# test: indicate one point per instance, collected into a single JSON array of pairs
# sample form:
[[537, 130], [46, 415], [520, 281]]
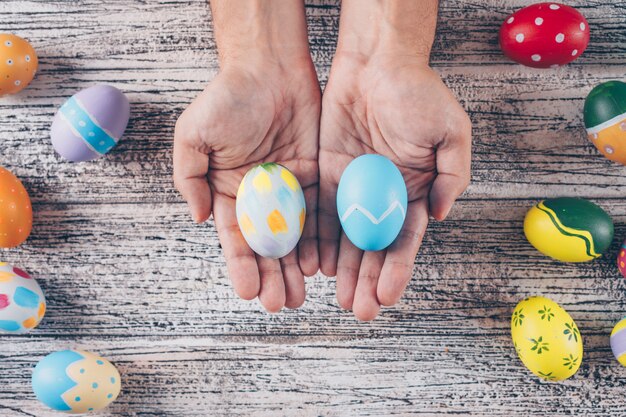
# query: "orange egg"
[[16, 212], [18, 63]]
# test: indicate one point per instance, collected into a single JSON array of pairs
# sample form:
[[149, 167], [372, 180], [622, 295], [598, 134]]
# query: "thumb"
[[191, 166], [454, 158]]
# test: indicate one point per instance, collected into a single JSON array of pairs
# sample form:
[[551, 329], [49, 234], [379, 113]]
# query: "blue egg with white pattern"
[[90, 123], [22, 303], [76, 381], [372, 202]]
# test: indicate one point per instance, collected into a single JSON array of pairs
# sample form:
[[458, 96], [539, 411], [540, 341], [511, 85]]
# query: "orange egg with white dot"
[[18, 63], [16, 213]]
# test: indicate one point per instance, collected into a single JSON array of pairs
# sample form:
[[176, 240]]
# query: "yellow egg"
[[546, 338]]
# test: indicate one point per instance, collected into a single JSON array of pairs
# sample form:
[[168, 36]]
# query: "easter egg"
[[544, 35], [618, 341], [569, 229], [371, 202], [605, 119], [18, 63], [270, 210], [90, 123], [75, 381], [16, 212], [22, 303], [621, 259], [546, 339]]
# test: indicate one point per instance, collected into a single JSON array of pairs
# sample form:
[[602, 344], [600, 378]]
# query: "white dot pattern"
[[510, 20], [536, 57], [519, 37], [554, 7], [574, 52], [582, 26], [539, 21], [559, 38]]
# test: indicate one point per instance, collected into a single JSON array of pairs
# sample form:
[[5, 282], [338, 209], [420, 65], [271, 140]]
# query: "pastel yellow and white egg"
[[271, 210]]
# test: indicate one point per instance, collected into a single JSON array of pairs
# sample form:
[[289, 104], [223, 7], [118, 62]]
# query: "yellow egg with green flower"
[[546, 338]]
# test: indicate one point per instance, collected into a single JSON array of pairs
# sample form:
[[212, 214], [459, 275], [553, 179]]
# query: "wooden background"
[[128, 275]]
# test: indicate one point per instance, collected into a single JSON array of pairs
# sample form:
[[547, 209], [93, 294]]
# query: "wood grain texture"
[[128, 275]]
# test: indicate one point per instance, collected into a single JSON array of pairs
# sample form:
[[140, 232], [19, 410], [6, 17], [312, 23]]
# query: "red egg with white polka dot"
[[18, 63], [621, 259], [544, 35]]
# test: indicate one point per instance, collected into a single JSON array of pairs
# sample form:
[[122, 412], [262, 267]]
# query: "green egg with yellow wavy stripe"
[[569, 229]]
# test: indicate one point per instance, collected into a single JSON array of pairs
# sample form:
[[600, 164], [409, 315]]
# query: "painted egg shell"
[[371, 202], [569, 229], [621, 259], [543, 35], [546, 339], [18, 63], [605, 119], [22, 303], [90, 123], [75, 381], [271, 210], [16, 212], [618, 341]]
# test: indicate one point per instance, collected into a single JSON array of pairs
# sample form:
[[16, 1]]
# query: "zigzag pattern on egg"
[[395, 205]]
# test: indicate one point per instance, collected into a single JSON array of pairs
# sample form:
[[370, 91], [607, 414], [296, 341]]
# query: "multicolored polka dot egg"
[[618, 341], [621, 259], [75, 381], [90, 123], [18, 64], [22, 303], [270, 210]]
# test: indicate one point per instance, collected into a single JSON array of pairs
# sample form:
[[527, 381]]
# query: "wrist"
[[373, 28], [260, 30]]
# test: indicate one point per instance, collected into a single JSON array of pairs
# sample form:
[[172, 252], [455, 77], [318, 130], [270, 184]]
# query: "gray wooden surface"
[[128, 275]]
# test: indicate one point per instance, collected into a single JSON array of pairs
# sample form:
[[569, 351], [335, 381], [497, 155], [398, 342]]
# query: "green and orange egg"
[[605, 119]]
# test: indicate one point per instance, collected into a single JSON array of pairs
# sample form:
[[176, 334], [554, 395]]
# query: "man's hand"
[[382, 97], [264, 106]]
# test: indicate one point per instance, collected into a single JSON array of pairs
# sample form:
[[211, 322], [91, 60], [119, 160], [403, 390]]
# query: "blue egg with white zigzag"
[[372, 202]]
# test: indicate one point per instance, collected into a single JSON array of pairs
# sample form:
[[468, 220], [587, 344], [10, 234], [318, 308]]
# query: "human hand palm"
[[398, 108], [242, 119]]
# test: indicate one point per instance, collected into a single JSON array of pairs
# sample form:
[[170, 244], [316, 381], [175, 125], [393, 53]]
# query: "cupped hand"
[[251, 113], [396, 106]]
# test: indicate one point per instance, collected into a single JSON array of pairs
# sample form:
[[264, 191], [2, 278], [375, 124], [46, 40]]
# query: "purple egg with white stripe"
[[90, 123]]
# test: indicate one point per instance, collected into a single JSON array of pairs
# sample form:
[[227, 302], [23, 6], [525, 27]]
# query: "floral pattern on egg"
[[271, 210]]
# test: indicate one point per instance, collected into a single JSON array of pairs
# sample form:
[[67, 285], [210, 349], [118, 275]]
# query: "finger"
[[191, 165], [328, 226], [453, 170], [308, 255], [240, 259], [348, 265], [272, 293], [398, 267], [365, 305], [293, 279]]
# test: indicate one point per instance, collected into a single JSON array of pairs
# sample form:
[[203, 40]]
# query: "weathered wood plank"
[[148, 270]]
